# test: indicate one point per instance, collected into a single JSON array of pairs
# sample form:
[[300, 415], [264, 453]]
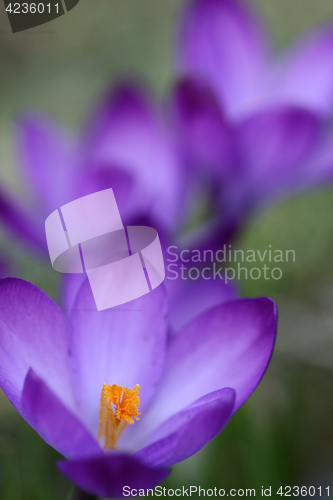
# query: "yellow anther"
[[119, 407]]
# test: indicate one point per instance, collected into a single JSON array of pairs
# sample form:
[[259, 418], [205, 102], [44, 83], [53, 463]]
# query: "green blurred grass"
[[27, 464], [303, 223]]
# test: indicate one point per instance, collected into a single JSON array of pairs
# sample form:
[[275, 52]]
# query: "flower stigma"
[[119, 407]]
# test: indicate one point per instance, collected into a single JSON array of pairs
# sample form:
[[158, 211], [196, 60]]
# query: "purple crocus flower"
[[225, 41], [124, 146], [250, 126], [76, 382]]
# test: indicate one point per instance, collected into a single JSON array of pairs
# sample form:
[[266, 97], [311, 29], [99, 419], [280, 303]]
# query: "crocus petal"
[[69, 287], [47, 159], [19, 221], [94, 179], [132, 206], [54, 422], [305, 76], [126, 131], [205, 135], [272, 146], [107, 476], [189, 430], [221, 41], [227, 346], [124, 345], [188, 299], [33, 334]]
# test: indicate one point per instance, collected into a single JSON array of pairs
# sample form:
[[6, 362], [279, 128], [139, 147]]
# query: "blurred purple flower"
[[224, 41], [124, 145], [249, 126], [53, 372]]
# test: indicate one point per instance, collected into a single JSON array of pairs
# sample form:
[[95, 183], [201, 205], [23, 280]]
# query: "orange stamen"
[[119, 407]]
